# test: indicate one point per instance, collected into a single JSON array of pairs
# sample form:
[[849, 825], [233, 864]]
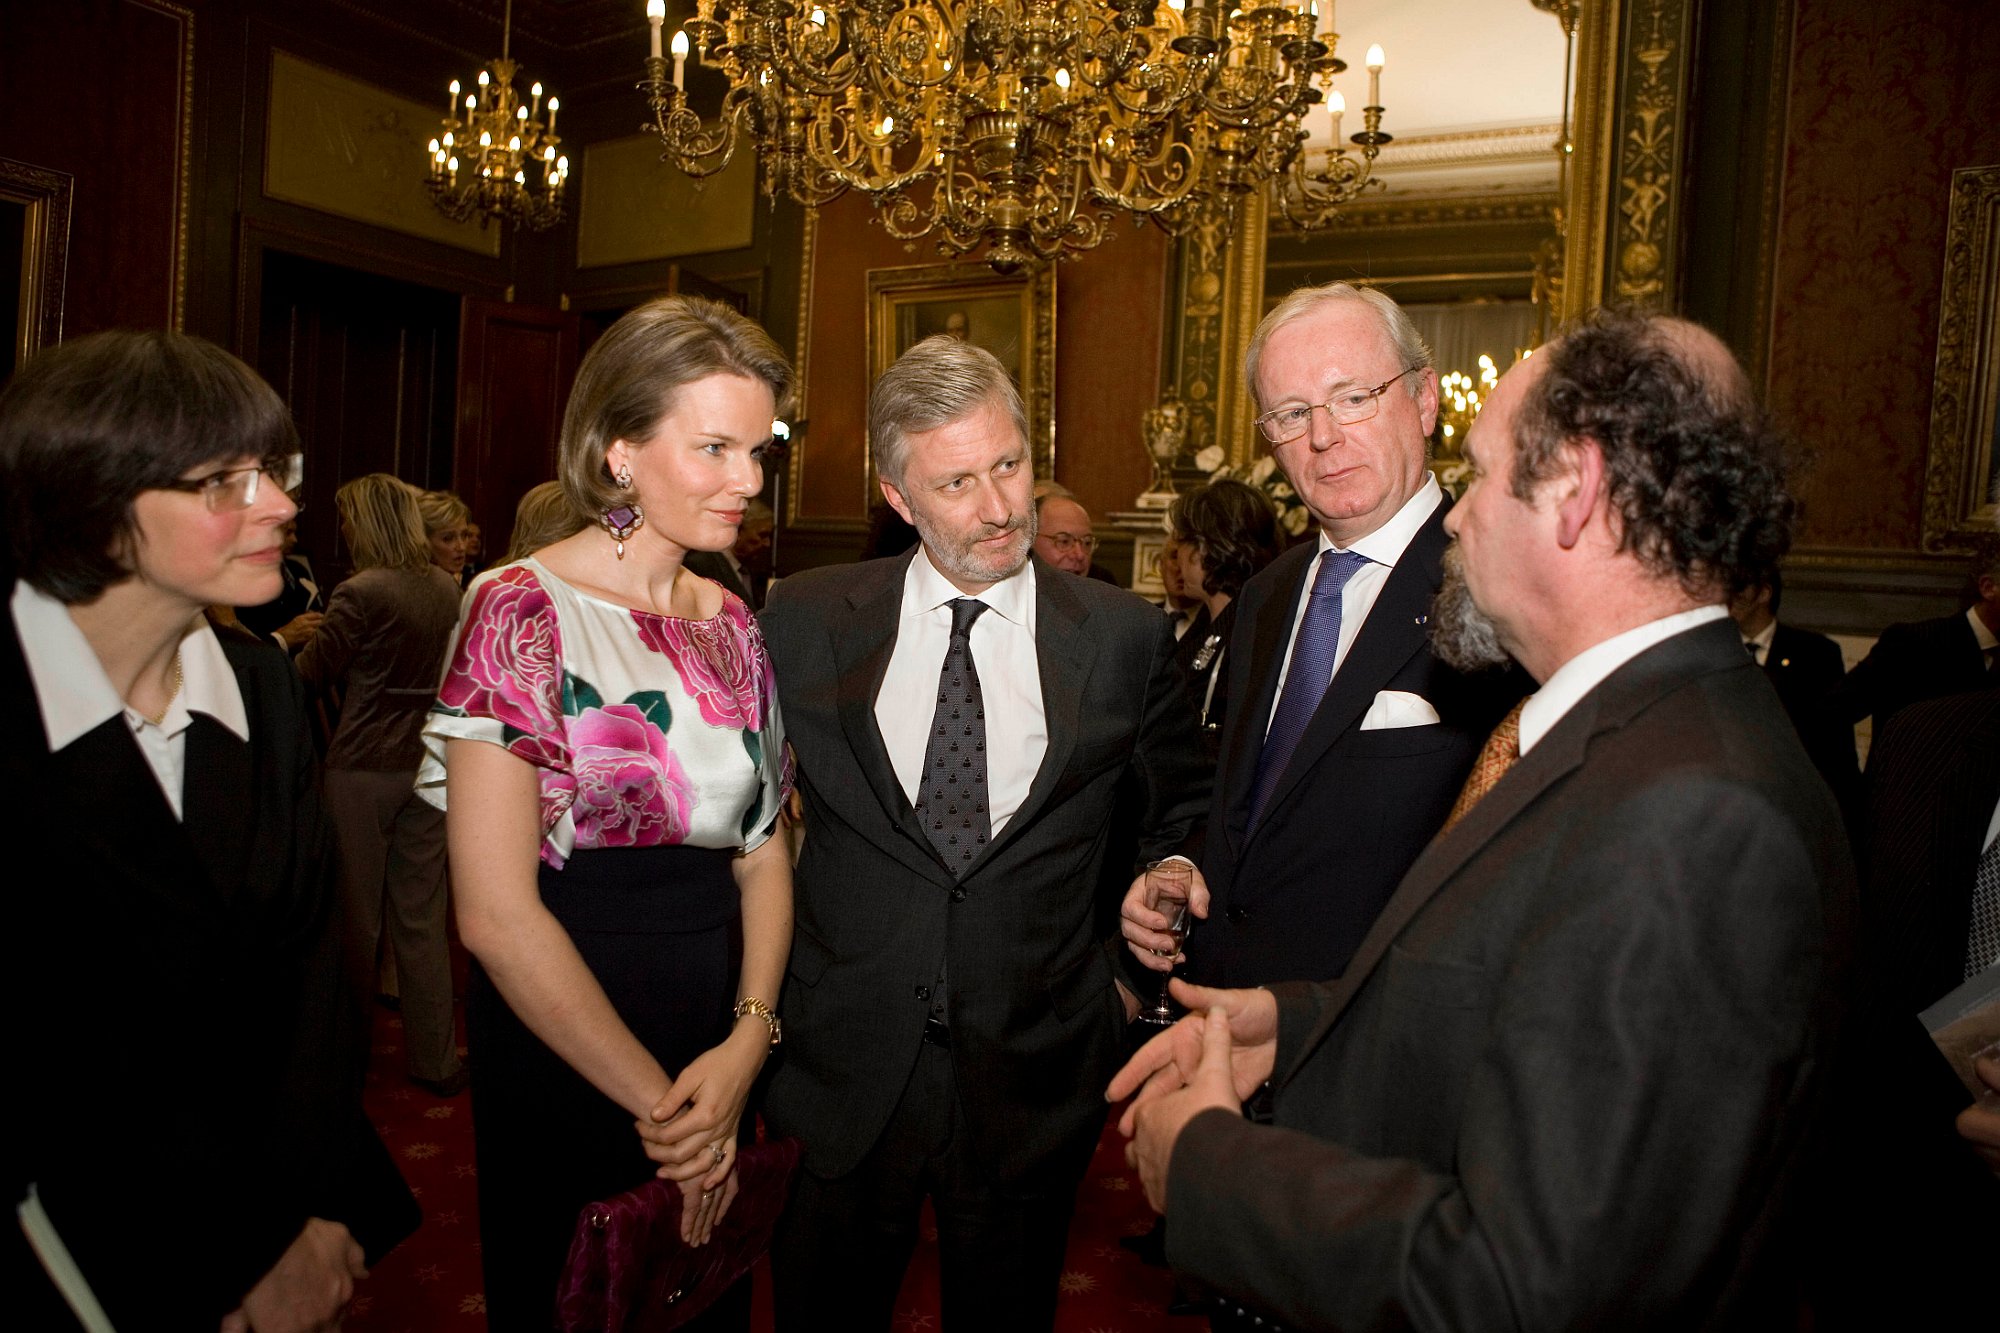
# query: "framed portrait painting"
[[1962, 473], [1012, 316]]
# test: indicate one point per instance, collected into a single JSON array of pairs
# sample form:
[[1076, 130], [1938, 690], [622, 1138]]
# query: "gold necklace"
[[172, 694]]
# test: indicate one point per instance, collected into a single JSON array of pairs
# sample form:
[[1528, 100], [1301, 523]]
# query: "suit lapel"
[[1249, 718], [863, 643], [1621, 695], [1066, 655], [1397, 628]]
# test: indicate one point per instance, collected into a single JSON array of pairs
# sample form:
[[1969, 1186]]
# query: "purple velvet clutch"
[[628, 1270]]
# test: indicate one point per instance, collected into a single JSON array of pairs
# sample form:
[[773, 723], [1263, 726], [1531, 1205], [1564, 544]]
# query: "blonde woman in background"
[[445, 520], [383, 641], [544, 517]]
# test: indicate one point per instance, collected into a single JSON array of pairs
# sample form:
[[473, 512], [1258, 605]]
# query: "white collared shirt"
[[76, 697], [1383, 548], [1584, 672], [1759, 643], [1010, 682], [1981, 635]]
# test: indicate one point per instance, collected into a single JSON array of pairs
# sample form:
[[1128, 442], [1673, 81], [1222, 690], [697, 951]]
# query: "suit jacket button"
[[1237, 915], [958, 895], [924, 993]]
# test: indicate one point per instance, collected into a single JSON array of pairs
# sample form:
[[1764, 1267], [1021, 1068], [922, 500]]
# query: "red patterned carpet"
[[431, 1284]]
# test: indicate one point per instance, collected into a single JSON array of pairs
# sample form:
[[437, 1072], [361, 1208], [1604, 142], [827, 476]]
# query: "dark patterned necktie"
[[1311, 671], [1982, 941], [951, 800]]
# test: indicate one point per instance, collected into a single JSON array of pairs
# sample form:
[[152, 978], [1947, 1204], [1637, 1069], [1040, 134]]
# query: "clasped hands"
[[1216, 1056], [691, 1130]]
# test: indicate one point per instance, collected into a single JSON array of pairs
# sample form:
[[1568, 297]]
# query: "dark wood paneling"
[[98, 89], [515, 365], [367, 365]]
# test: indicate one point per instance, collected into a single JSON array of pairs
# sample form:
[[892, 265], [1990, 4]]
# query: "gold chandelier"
[[494, 141], [1008, 123]]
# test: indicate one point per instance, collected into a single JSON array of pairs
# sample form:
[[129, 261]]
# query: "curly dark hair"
[[1234, 528], [1694, 468]]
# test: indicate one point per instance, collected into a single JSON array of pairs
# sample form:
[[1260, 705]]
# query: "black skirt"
[[660, 929]]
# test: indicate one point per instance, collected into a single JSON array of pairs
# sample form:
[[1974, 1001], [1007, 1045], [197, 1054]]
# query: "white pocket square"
[[1398, 708]]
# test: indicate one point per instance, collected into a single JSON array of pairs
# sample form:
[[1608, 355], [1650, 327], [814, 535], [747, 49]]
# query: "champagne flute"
[[1168, 884]]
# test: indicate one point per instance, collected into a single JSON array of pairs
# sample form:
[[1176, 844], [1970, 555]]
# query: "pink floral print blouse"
[[645, 729]]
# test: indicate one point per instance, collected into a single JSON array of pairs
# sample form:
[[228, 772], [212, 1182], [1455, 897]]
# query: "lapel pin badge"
[[1423, 620]]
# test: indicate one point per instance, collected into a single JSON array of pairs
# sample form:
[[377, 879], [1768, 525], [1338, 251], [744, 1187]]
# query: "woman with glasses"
[[383, 643], [1223, 533], [607, 747], [189, 1148]]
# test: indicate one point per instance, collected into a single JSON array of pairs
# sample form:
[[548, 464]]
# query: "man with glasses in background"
[[1346, 740], [1063, 535]]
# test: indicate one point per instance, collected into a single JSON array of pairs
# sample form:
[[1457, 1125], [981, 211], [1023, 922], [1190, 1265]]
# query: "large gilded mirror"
[[1483, 226]]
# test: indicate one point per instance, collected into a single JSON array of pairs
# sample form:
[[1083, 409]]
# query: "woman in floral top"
[[608, 738]]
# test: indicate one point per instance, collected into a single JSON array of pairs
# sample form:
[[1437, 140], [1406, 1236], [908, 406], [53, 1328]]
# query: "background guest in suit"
[[1904, 1193], [1187, 611], [1927, 659], [542, 518], [1805, 668], [1345, 738], [951, 1003], [171, 778], [445, 517], [1224, 533], [1567, 1080], [383, 643], [614, 766], [290, 618]]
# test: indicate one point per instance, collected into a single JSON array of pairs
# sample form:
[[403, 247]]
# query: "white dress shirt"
[[1759, 643], [1982, 636], [1010, 683], [76, 697], [1584, 672], [1383, 548]]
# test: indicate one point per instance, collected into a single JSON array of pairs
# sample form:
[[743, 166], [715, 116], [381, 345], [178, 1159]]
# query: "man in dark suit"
[[1928, 659], [1346, 739], [1568, 1079], [1804, 668], [1910, 1195], [963, 718]]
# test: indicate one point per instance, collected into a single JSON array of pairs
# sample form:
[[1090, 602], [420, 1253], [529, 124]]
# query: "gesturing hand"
[[1168, 1061], [307, 1288], [1157, 1121]]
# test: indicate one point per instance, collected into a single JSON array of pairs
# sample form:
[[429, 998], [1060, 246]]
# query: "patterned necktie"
[[951, 800], [1982, 941], [1498, 755], [1308, 676]]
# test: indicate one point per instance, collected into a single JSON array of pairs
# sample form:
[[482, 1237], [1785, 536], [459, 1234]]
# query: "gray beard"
[[954, 558], [1461, 635]]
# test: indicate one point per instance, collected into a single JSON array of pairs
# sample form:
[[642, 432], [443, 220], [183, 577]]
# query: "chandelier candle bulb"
[[680, 61], [1336, 105], [1375, 62], [656, 15], [555, 105], [1324, 12], [535, 93], [451, 102]]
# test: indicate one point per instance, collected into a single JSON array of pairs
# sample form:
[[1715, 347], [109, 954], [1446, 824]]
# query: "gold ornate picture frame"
[[1962, 468], [44, 196], [1012, 316]]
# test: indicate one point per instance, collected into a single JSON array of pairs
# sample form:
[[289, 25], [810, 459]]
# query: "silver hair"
[[1411, 349], [936, 382]]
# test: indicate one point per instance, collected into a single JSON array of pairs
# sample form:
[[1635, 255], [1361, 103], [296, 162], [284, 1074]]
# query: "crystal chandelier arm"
[[695, 148]]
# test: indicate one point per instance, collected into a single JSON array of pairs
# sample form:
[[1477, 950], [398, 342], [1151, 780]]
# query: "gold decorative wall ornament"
[[1962, 472], [1017, 125], [504, 150]]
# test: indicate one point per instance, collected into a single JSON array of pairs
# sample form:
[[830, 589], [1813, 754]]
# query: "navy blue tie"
[[1308, 676]]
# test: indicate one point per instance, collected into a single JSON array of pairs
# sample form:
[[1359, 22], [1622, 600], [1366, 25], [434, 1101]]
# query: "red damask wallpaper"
[[1885, 101]]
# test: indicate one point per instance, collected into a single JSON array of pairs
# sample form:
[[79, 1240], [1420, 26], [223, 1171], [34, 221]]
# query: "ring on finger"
[[715, 1149]]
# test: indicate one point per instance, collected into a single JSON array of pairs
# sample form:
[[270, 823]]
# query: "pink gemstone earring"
[[621, 521]]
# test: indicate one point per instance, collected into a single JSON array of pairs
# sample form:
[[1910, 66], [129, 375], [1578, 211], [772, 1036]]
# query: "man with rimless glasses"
[[1346, 740]]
